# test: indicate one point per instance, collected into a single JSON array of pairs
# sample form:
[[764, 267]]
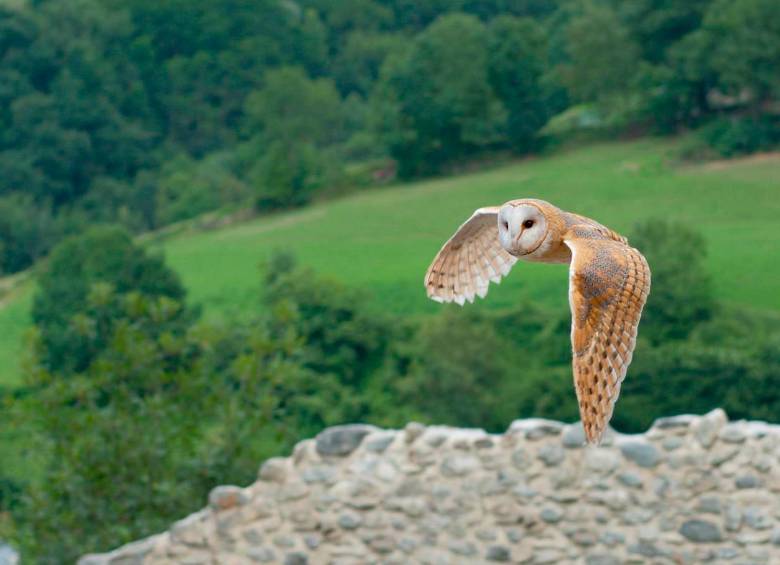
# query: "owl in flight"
[[608, 285]]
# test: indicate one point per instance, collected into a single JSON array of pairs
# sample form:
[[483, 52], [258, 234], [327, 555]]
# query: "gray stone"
[[319, 474], [748, 481], [733, 518], [536, 428], [630, 479], [551, 514], [602, 559], [227, 496], [459, 465], [547, 556], [436, 440], [486, 534], [484, 443], [672, 443], [732, 433], [706, 428], [573, 436], [722, 454], [601, 460], [551, 454], [284, 541], [583, 537], [611, 539], [408, 545], [378, 443], [645, 549], [775, 539], [757, 518], [462, 547], [273, 470], [710, 504], [412, 431], [342, 440], [726, 553], [498, 553], [701, 531], [382, 544], [674, 422], [296, 558], [642, 453], [520, 458], [261, 554], [350, 520]]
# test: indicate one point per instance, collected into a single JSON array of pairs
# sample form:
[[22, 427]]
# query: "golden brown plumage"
[[608, 285]]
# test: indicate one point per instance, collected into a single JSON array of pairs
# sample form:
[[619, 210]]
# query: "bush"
[[81, 294], [730, 137]]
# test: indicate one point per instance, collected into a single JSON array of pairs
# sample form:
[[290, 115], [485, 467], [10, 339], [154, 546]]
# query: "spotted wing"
[[469, 260], [608, 285]]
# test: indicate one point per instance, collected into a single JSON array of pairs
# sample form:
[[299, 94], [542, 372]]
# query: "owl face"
[[522, 228]]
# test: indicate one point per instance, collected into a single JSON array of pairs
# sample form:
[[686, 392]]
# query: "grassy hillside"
[[383, 240]]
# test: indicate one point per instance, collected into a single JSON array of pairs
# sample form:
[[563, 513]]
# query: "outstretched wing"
[[469, 260], [608, 285]]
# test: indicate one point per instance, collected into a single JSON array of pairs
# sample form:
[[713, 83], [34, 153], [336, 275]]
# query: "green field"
[[384, 239]]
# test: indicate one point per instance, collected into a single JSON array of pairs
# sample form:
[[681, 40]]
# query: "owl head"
[[523, 226]]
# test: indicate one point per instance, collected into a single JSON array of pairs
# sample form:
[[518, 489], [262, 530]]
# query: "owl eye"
[[528, 224], [505, 224]]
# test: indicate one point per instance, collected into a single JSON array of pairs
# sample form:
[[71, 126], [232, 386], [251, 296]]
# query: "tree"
[[602, 58], [681, 293], [435, 102], [82, 294], [745, 40], [292, 119], [516, 64]]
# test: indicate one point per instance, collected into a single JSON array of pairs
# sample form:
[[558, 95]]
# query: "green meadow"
[[382, 240]]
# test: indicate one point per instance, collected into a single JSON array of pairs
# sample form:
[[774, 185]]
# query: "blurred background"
[[215, 217]]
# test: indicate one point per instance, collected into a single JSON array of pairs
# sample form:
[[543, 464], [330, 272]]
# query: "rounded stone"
[[551, 454], [412, 431], [260, 554], [551, 514], [642, 453], [274, 470], [342, 440], [701, 531], [747, 481], [498, 553], [227, 496], [459, 465], [706, 428], [573, 436], [732, 433], [350, 521], [296, 558]]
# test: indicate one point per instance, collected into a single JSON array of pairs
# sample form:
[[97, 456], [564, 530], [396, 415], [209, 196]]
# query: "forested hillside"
[[144, 113]]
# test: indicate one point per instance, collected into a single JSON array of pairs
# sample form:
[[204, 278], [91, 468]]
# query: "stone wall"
[[690, 490]]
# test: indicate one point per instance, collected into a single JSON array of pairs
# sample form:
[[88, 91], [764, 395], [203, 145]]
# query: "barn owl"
[[608, 285]]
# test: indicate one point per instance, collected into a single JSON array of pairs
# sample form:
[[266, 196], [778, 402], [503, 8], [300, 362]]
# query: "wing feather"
[[467, 263], [609, 282]]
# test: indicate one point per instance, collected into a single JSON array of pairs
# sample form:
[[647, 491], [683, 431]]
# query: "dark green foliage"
[[293, 119], [146, 113], [342, 338], [516, 62], [740, 135], [681, 292], [83, 291], [601, 58], [436, 101]]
